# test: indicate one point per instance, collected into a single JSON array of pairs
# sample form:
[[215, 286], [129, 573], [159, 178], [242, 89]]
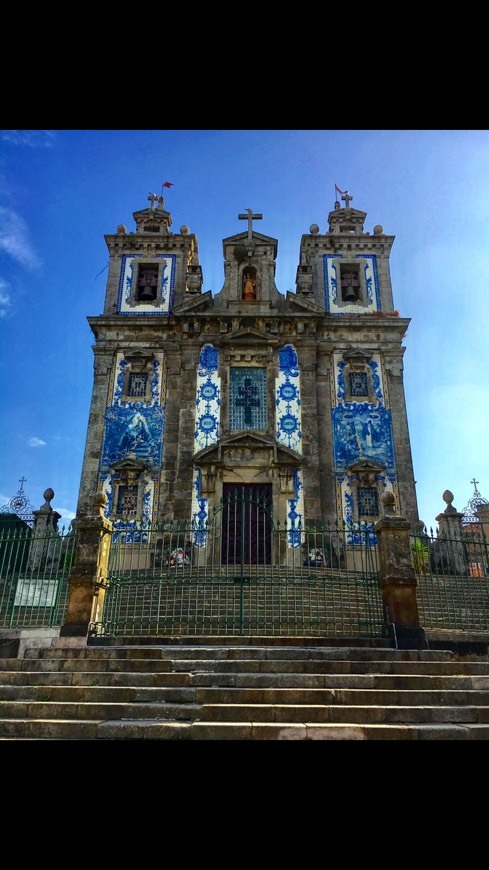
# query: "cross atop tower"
[[347, 198], [475, 482], [250, 217], [153, 198]]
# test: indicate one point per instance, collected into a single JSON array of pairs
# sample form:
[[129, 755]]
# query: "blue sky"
[[61, 191]]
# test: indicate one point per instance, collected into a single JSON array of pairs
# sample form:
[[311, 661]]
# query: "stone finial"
[[46, 517], [389, 502], [48, 496], [448, 498]]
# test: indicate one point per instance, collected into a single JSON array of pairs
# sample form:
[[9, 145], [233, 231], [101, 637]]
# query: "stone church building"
[[296, 396]]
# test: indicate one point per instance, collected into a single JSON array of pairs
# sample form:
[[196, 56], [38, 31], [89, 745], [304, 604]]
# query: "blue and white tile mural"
[[295, 512], [288, 400], [332, 289], [361, 430], [207, 399], [200, 511], [126, 291], [288, 429], [134, 430], [207, 429]]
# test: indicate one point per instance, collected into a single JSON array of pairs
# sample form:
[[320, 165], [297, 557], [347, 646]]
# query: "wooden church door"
[[246, 524]]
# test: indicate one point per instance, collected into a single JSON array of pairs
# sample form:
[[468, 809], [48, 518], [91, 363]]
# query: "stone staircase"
[[220, 691]]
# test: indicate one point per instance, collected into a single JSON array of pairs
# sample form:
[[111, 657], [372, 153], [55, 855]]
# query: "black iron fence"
[[241, 573], [34, 575], [452, 570]]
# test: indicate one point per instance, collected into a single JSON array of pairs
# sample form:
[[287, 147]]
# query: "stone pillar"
[[44, 548], [398, 579], [89, 573], [449, 551]]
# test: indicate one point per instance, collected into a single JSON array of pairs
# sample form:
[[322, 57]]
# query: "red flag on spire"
[[337, 188], [168, 184]]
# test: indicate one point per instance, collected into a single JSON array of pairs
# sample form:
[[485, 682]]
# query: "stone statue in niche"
[[249, 291]]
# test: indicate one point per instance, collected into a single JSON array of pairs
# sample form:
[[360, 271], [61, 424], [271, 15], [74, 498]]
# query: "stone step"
[[236, 678], [94, 665], [338, 713], [291, 666], [91, 678], [90, 710], [128, 702], [151, 729], [243, 692]]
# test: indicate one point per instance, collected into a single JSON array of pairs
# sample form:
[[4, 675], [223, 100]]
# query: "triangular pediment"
[[242, 237], [192, 303], [366, 471], [357, 355], [304, 303], [248, 443], [247, 336]]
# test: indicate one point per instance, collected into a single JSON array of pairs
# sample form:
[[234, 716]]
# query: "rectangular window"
[[358, 384], [127, 500], [248, 398], [368, 501], [137, 383]]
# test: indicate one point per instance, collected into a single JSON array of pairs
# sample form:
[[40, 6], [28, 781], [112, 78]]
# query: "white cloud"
[[36, 442], [14, 239], [31, 138], [66, 514]]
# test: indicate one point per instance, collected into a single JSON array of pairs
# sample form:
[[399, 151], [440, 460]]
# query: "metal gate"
[[241, 573]]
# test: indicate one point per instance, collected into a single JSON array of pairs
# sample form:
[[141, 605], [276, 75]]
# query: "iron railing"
[[245, 575], [239, 573], [34, 574], [452, 569]]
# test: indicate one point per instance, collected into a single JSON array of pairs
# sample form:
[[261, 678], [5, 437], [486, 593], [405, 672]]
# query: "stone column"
[[449, 550], [45, 542], [89, 573], [398, 579]]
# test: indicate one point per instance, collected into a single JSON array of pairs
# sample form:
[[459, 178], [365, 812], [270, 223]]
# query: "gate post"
[[398, 579], [89, 572]]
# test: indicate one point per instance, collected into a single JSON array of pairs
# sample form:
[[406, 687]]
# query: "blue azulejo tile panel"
[[332, 299], [200, 511], [207, 399], [156, 386], [148, 484], [374, 367], [133, 431], [362, 432], [295, 512], [288, 400], [127, 302]]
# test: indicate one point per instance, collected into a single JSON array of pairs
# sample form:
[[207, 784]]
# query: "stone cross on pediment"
[[250, 217]]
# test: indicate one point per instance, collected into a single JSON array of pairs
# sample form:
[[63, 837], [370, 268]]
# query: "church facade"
[[297, 397]]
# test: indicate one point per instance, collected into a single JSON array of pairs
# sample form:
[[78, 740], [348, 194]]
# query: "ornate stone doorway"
[[247, 524]]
